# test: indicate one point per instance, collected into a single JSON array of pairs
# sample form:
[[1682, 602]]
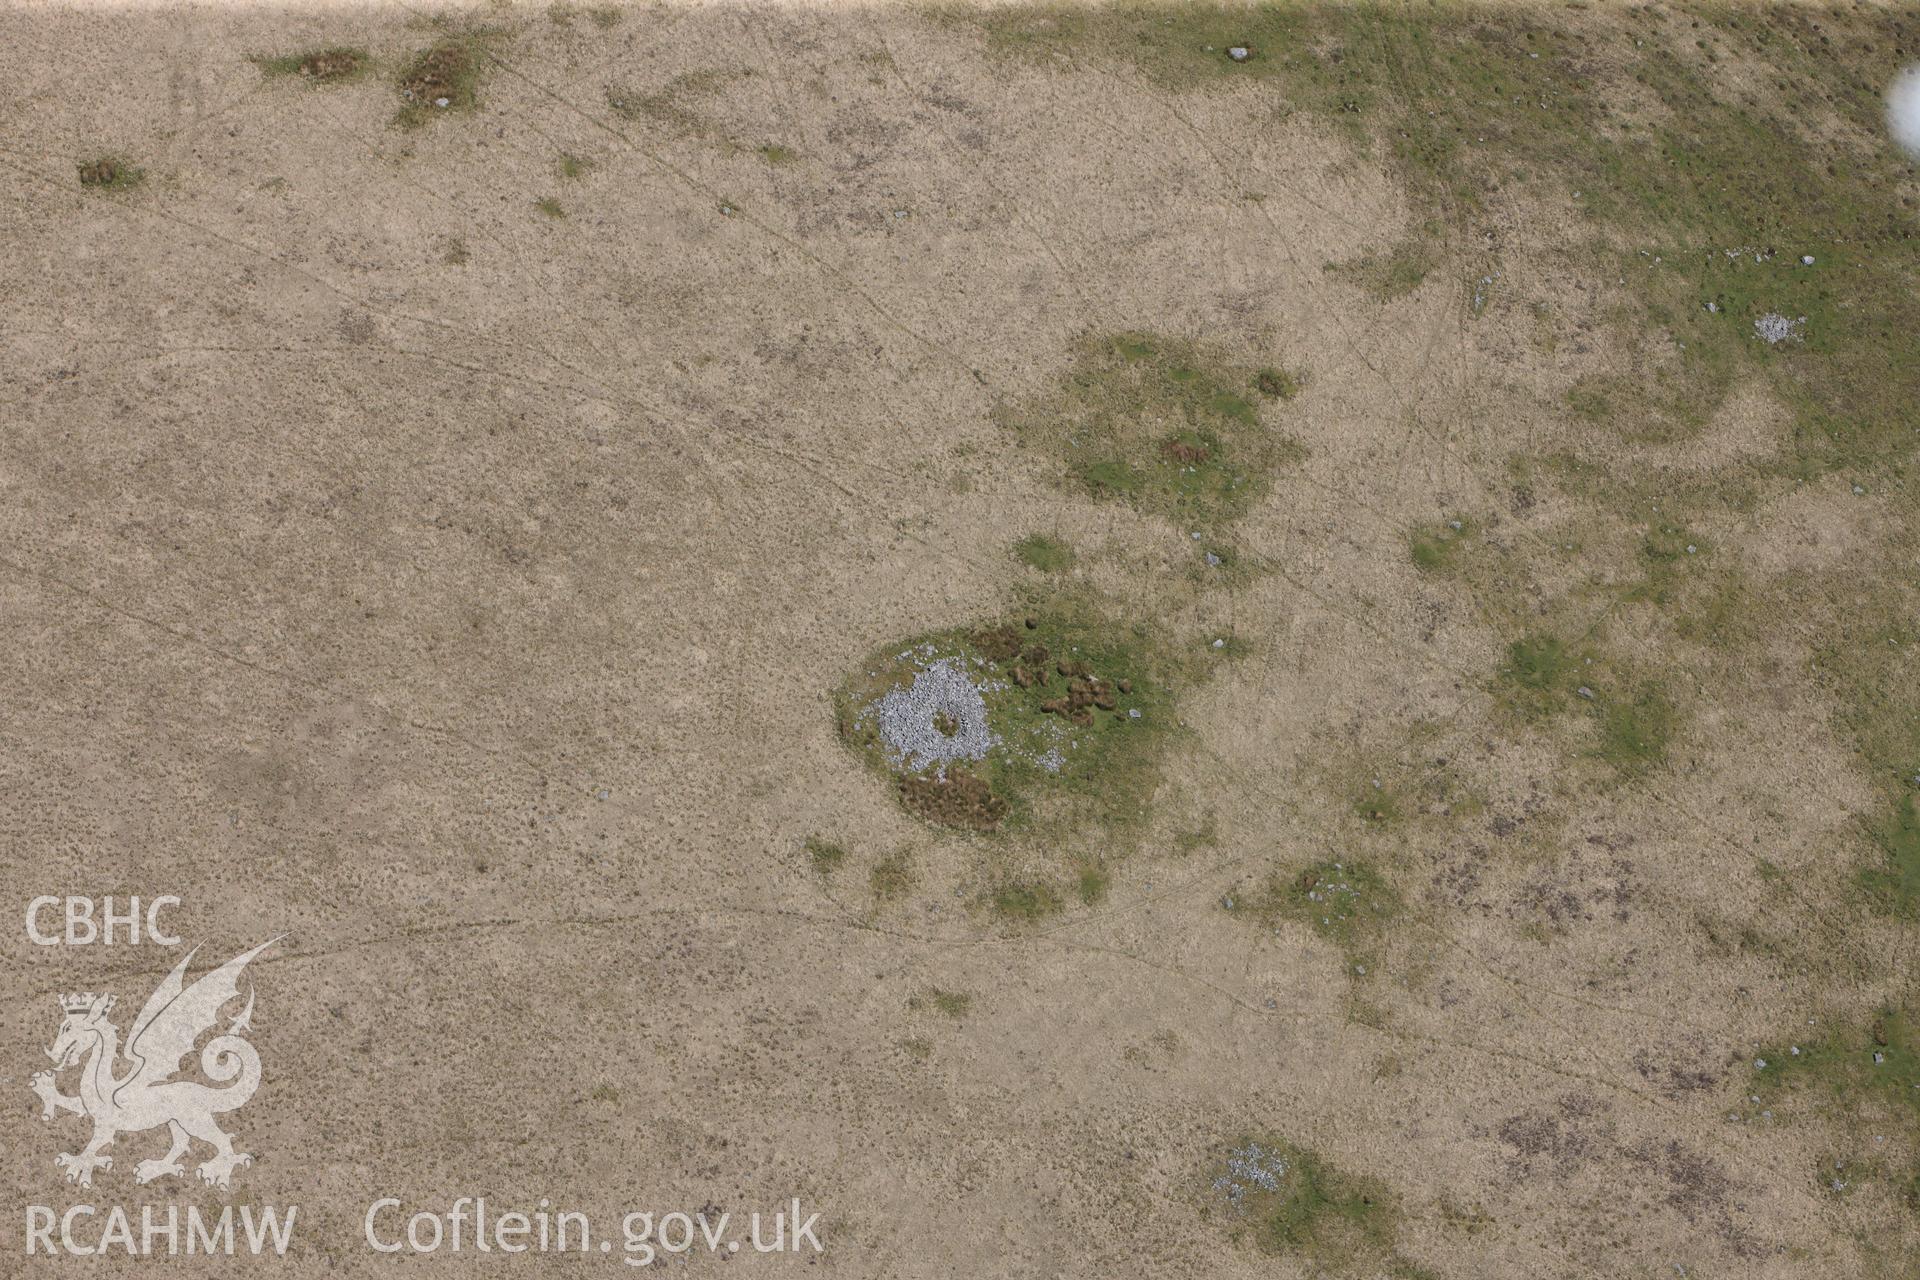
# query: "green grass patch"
[[891, 877], [1227, 648], [573, 168], [1291, 1202], [603, 16], [110, 173], [1659, 406], [1165, 424], [1705, 204], [1668, 552], [549, 207], [1397, 272], [1048, 555], [1091, 882], [1205, 836], [952, 1004], [337, 64], [1540, 676], [672, 104], [778, 156], [824, 855], [1894, 886], [1636, 731], [441, 80], [1278, 384], [1026, 901], [1377, 805], [1863, 1076], [1346, 902], [1435, 548], [1634, 717], [1867, 663], [1723, 614], [1592, 398], [1063, 715]]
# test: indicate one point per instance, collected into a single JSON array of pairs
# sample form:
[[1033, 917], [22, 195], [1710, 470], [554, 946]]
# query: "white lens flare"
[[1903, 111]]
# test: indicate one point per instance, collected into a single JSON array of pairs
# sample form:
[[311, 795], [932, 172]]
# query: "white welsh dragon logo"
[[174, 1017]]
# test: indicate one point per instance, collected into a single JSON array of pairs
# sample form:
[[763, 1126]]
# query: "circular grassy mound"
[[1007, 724]]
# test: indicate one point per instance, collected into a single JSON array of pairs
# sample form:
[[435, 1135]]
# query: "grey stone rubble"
[[905, 718], [1250, 1168], [1773, 328]]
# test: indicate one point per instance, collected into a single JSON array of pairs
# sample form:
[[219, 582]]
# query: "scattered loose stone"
[[1774, 328], [1239, 53], [1250, 1168], [907, 718]]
